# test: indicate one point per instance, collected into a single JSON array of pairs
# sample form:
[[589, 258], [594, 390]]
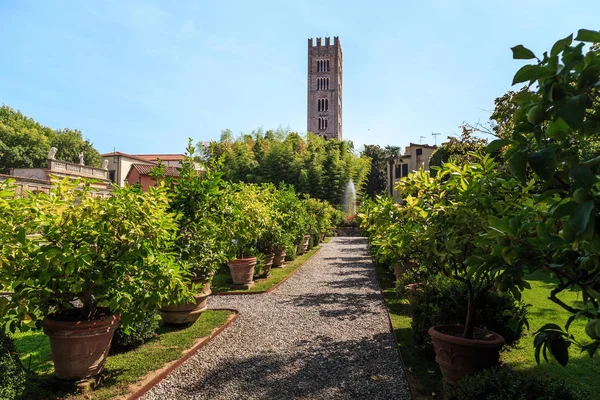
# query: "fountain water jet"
[[349, 199]]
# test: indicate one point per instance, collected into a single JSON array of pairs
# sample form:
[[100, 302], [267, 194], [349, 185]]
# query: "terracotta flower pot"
[[412, 293], [279, 258], [267, 265], [187, 313], [399, 269], [242, 270], [305, 243], [458, 356], [79, 348]]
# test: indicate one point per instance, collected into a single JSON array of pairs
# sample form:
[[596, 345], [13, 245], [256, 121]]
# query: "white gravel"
[[323, 334]]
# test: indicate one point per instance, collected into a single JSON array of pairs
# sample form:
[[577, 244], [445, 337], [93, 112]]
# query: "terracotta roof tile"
[[144, 169]]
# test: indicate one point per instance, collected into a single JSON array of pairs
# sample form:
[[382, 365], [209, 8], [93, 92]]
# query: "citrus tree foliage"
[[198, 196], [68, 247], [440, 226], [549, 147], [314, 166], [463, 150], [24, 143]]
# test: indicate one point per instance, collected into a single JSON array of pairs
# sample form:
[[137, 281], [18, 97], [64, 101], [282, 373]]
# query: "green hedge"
[[505, 384], [12, 374]]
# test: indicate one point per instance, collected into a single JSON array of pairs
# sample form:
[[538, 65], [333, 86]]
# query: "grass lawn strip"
[[222, 281], [424, 373], [123, 371], [581, 371]]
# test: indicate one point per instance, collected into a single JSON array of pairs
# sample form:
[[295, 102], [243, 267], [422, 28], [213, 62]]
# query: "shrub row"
[[72, 255]]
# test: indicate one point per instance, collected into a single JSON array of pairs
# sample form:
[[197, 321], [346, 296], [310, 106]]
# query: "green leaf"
[[499, 224], [530, 73], [581, 216], [558, 129], [543, 162], [591, 348], [497, 144], [21, 236], [517, 165], [564, 209], [561, 44], [522, 53], [583, 176], [585, 35], [559, 348], [550, 326], [573, 111]]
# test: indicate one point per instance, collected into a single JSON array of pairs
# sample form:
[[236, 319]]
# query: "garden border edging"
[[389, 317], [146, 387]]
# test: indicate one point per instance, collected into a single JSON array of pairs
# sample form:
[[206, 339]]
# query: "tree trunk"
[[89, 308], [469, 323]]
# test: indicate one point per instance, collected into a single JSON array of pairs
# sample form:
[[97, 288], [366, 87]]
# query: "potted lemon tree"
[[197, 197], [454, 208], [247, 219], [77, 264]]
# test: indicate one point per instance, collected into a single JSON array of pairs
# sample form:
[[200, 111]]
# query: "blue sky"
[[143, 76]]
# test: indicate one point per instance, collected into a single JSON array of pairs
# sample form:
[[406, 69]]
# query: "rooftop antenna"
[[421, 139], [435, 135]]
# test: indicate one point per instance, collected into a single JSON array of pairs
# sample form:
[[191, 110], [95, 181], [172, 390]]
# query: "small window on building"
[[111, 176], [404, 169], [398, 172], [419, 152]]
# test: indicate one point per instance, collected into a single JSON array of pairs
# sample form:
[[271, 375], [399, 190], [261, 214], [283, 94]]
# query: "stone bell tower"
[[325, 88]]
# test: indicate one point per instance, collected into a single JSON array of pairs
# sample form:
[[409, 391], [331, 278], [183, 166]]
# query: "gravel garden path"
[[323, 334]]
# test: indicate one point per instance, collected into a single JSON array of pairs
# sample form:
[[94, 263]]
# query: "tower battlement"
[[318, 42]]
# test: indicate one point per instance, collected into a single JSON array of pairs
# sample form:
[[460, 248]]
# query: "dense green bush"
[[441, 301], [138, 332], [12, 374], [198, 197], [505, 384], [314, 166], [114, 252]]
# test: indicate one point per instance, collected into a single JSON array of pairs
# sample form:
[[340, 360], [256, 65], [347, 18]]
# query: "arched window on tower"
[[327, 65], [326, 104]]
